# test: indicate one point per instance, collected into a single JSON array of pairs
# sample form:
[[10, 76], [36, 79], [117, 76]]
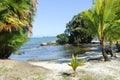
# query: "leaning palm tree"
[[112, 36], [113, 32], [15, 24], [100, 18]]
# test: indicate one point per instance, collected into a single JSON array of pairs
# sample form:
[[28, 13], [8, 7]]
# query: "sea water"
[[32, 50]]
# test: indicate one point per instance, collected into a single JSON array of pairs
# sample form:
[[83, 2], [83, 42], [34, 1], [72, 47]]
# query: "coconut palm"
[[112, 36], [16, 14], [15, 23], [101, 17]]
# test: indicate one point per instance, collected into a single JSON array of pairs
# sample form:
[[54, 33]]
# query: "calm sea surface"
[[33, 51]]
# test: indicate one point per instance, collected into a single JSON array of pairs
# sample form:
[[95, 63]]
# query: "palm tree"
[[112, 36], [15, 24], [16, 14], [100, 18]]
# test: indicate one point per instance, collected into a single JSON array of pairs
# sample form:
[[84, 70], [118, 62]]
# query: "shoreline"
[[59, 69], [94, 69]]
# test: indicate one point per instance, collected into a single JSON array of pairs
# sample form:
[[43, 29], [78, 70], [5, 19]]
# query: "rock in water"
[[43, 44]]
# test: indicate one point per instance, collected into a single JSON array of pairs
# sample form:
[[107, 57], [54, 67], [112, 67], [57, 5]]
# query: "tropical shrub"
[[77, 30], [62, 38], [75, 64], [10, 42], [16, 17]]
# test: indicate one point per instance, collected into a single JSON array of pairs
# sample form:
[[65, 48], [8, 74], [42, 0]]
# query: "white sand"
[[52, 65], [97, 69]]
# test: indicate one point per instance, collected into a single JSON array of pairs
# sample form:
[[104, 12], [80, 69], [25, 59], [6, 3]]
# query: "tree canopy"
[[103, 20], [76, 30], [16, 17]]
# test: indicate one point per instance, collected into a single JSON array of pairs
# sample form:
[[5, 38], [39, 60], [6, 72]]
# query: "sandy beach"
[[94, 69], [59, 40]]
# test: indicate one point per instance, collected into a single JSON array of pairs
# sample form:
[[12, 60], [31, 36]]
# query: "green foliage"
[[11, 42], [15, 24], [14, 40], [103, 21], [17, 78], [77, 30], [75, 64], [87, 78], [4, 69], [14, 14], [38, 78], [62, 38]]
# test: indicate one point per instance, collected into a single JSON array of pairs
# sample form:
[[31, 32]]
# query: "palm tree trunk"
[[111, 51], [8, 53], [103, 49], [118, 46], [5, 53], [75, 73]]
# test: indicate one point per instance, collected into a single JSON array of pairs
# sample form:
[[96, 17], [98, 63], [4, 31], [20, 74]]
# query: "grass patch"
[[88, 78], [16, 78], [109, 78], [87, 75], [37, 73], [4, 70], [37, 78], [96, 78]]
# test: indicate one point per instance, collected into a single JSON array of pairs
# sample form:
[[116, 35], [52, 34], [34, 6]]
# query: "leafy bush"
[[77, 30], [15, 24], [10, 42], [62, 38]]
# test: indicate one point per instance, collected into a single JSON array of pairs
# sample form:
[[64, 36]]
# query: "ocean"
[[32, 50]]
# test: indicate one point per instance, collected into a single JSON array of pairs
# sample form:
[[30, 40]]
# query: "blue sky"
[[52, 15]]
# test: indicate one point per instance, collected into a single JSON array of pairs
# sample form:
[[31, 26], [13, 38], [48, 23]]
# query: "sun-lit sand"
[[59, 69], [52, 65], [100, 70], [96, 69]]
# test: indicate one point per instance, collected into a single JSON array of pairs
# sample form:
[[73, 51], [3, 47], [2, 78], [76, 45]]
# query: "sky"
[[53, 15]]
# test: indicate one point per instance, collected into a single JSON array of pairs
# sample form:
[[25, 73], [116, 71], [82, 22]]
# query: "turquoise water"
[[33, 51]]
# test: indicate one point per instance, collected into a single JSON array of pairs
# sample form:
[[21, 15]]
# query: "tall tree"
[[15, 24], [77, 30], [112, 36], [101, 18]]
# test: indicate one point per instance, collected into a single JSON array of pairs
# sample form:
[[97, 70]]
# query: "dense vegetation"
[[76, 31], [63, 38], [102, 20], [15, 24]]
